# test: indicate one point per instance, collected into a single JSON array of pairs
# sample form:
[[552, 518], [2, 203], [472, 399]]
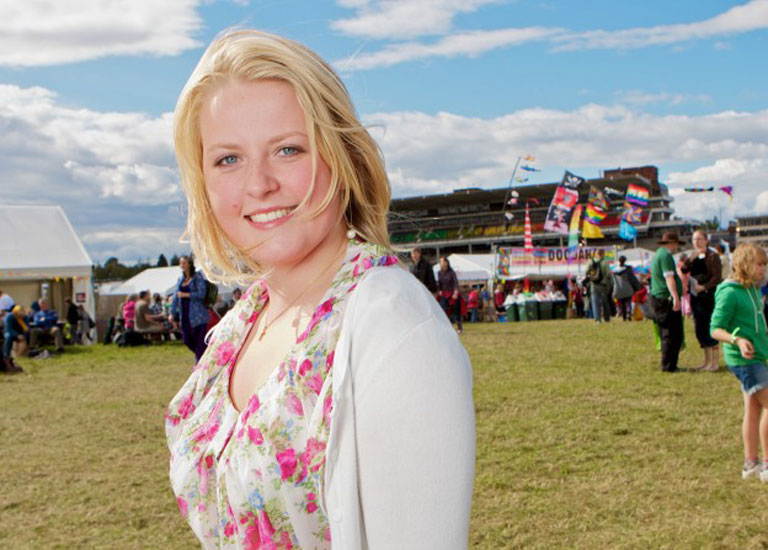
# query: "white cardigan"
[[401, 450]]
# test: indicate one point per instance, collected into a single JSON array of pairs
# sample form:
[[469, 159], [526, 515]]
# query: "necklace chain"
[[268, 323]]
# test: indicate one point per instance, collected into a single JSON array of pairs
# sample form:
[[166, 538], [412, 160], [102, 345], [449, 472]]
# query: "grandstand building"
[[753, 229], [474, 221]]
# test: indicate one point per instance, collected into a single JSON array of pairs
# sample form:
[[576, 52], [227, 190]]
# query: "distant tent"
[[40, 254], [470, 267], [160, 280]]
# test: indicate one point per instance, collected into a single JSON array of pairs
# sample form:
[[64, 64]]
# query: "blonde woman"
[[333, 406], [739, 322]]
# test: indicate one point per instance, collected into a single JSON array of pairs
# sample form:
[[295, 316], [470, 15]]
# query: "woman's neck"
[[304, 283]]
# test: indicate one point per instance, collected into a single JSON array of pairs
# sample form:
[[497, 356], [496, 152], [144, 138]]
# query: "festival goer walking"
[[704, 269], [333, 406], [666, 288], [599, 275], [188, 307], [473, 303], [422, 270], [738, 321], [448, 286], [624, 286]]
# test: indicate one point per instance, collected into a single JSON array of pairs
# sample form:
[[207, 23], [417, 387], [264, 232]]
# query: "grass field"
[[581, 443]]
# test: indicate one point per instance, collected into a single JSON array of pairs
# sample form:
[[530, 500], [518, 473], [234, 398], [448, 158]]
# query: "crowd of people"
[[25, 331], [188, 313]]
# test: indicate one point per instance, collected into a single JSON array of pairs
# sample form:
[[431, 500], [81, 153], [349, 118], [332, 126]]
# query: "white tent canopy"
[[40, 254], [470, 267], [160, 280], [37, 242]]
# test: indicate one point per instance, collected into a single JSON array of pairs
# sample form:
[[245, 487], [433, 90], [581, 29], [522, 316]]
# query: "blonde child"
[[739, 322]]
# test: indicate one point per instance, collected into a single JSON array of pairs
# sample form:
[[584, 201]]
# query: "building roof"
[[38, 242]]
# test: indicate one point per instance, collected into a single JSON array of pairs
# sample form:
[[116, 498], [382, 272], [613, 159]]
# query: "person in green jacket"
[[739, 322]]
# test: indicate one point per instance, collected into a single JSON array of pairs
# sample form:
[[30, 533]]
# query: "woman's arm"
[[415, 423], [197, 287], [745, 346]]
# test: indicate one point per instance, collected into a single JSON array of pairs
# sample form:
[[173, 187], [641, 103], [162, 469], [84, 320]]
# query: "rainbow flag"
[[594, 215], [637, 194]]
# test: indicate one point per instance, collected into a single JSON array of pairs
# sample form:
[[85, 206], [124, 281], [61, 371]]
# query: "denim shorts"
[[753, 377]]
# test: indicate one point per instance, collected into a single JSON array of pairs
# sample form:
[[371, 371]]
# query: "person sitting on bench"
[[146, 321]]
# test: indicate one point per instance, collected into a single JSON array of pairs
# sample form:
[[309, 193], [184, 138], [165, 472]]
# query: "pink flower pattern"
[[254, 479]]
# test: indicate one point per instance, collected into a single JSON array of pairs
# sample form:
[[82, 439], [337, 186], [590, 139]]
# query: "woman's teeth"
[[269, 216]]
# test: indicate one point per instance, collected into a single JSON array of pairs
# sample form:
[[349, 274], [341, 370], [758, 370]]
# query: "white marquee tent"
[[470, 267], [160, 280], [40, 254]]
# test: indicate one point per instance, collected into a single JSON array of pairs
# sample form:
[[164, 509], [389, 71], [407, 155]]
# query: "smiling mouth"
[[270, 216]]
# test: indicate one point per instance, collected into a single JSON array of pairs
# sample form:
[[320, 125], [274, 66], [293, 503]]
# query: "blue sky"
[[454, 91]]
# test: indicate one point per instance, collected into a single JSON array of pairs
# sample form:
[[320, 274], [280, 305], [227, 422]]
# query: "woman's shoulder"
[[393, 291]]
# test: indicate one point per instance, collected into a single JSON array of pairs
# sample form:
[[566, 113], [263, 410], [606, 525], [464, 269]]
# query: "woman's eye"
[[288, 151], [227, 160]]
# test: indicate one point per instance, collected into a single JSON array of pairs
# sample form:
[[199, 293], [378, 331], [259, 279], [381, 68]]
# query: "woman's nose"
[[261, 179]]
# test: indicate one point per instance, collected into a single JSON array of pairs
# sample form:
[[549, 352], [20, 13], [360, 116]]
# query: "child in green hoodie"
[[739, 322]]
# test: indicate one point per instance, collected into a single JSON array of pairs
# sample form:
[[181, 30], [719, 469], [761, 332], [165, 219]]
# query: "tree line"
[[113, 270]]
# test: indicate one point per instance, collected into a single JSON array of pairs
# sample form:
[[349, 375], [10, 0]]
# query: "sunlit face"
[[699, 241], [257, 166], [184, 265]]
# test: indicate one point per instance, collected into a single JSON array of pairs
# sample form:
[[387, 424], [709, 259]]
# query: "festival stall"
[[41, 255], [470, 268]]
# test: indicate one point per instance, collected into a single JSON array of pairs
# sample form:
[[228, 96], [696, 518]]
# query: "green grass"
[[581, 443]]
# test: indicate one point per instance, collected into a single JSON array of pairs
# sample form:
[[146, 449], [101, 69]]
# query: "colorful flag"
[[699, 189], [728, 190], [594, 214], [572, 180], [597, 198], [590, 230], [627, 231], [573, 234], [637, 194], [520, 179], [529, 158], [560, 210], [529, 168], [528, 244]]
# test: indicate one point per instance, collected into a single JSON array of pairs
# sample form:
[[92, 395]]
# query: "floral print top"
[[254, 479]]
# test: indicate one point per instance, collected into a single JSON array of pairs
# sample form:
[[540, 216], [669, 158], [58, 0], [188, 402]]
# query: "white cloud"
[[438, 153], [468, 44], [638, 97], [398, 19], [403, 19], [47, 32], [739, 19], [134, 243], [103, 168], [133, 183]]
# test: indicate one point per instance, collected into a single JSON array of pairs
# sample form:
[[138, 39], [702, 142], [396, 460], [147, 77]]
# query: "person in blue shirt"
[[188, 308], [45, 323]]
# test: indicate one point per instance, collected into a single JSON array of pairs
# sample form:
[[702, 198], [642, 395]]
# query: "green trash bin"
[[522, 313], [561, 309], [532, 310], [545, 311], [512, 313]]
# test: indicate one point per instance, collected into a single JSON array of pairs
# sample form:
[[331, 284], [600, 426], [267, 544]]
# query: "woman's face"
[[443, 264], [699, 241], [257, 166], [184, 265]]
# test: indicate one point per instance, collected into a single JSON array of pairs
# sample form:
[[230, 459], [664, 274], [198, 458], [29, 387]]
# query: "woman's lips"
[[270, 219]]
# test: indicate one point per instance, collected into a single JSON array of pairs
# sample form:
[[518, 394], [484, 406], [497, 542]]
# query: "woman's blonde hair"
[[743, 261], [356, 165]]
